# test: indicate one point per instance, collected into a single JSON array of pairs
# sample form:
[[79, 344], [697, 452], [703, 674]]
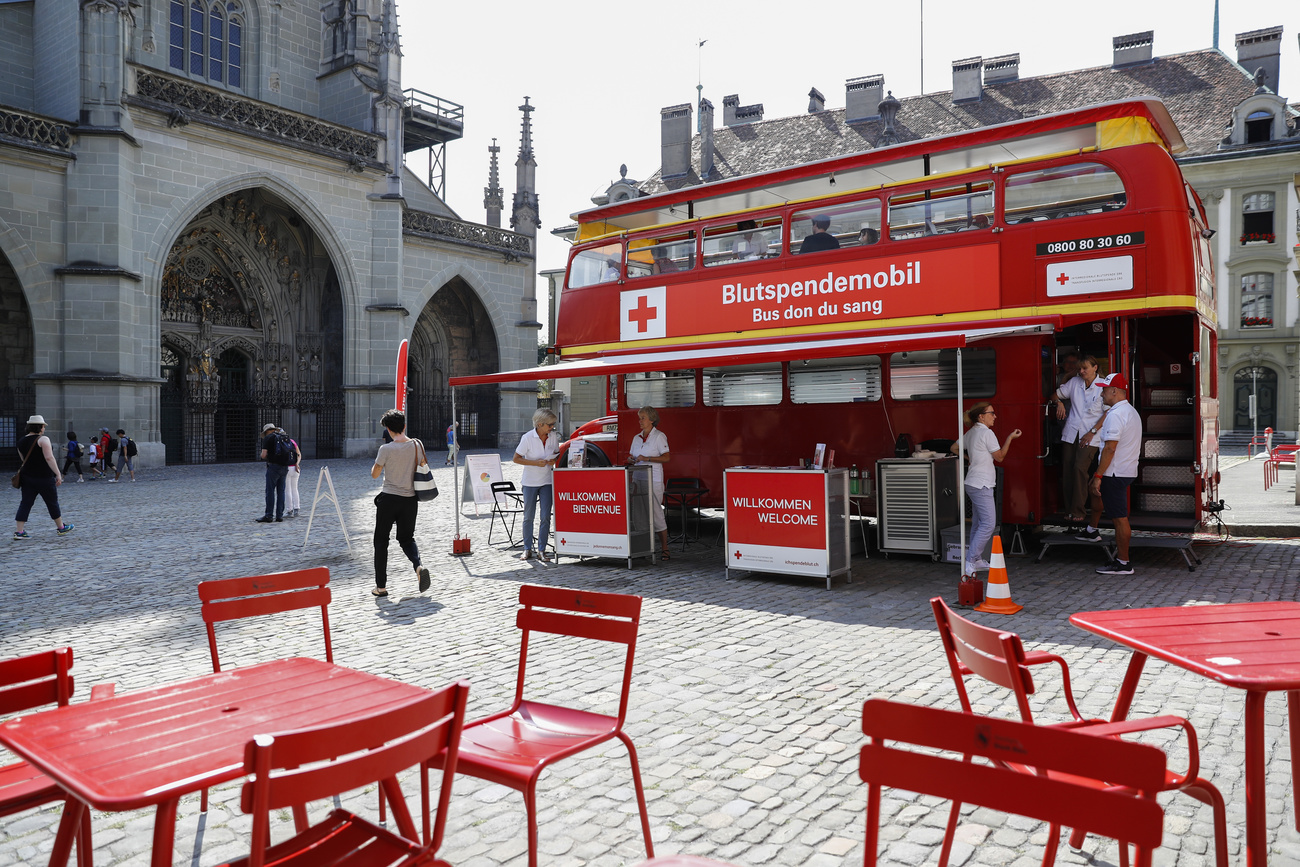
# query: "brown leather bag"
[[17, 480]]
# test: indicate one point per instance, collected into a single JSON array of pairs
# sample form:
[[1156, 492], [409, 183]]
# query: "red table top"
[[1247, 645], [140, 749]]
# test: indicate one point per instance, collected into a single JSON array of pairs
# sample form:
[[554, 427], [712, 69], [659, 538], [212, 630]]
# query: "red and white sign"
[[1111, 274], [591, 512], [399, 395], [642, 313], [776, 522], [857, 291]]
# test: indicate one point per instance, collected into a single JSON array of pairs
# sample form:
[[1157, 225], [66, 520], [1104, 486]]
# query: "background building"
[[207, 224], [1242, 157]]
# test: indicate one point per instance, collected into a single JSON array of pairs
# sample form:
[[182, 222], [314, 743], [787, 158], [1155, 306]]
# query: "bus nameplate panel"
[[1091, 245]]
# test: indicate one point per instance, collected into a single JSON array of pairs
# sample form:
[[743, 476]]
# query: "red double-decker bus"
[[825, 303]]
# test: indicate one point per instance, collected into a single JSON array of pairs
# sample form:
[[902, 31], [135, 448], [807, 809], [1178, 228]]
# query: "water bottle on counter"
[[853, 480]]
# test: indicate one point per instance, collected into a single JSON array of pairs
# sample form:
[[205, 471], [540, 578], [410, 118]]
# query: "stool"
[[687, 494]]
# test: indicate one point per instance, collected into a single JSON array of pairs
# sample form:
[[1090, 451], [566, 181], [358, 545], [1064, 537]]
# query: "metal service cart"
[[787, 520], [916, 498], [603, 512]]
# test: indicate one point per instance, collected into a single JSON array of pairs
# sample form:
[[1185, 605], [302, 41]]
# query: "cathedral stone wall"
[[15, 44]]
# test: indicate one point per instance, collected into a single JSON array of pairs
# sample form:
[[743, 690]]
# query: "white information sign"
[[480, 472], [1112, 274]]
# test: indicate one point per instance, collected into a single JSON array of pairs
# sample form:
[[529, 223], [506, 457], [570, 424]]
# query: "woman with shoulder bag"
[[396, 503], [38, 476]]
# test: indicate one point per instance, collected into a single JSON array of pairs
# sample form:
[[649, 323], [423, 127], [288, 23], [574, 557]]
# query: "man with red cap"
[[1121, 437]]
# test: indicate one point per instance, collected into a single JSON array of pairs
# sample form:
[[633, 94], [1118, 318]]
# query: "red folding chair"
[[1108, 784], [514, 746], [228, 599], [1280, 455], [1000, 658], [26, 683], [295, 767]]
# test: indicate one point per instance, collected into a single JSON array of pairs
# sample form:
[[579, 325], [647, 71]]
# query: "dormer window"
[[1259, 127]]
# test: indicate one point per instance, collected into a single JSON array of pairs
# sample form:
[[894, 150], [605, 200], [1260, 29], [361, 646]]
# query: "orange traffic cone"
[[997, 598]]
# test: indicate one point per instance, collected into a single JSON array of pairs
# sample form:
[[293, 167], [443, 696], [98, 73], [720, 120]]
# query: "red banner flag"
[[399, 399]]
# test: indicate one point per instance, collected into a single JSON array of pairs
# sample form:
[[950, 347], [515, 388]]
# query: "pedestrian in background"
[[451, 444], [1117, 469], [125, 455], [104, 451], [74, 456], [39, 477], [276, 473], [92, 460], [396, 502], [291, 501]]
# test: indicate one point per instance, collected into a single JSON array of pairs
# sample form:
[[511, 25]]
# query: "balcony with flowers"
[[1248, 238]]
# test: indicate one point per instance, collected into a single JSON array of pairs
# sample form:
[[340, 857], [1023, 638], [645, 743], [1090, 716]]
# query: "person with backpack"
[[278, 452], [126, 452], [104, 451], [75, 453], [92, 459], [291, 500]]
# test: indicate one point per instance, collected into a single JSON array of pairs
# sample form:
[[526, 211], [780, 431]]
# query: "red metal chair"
[[1108, 783], [295, 767], [514, 746], [999, 657], [227, 599], [1280, 455], [26, 683]]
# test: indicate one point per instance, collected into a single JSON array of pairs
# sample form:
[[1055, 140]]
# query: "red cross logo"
[[642, 314], [736, 555], [1063, 278], [564, 541]]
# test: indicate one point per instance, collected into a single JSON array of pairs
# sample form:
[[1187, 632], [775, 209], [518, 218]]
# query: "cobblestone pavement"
[[747, 696]]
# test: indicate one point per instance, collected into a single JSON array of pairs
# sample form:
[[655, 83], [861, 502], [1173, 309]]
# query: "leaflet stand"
[[332, 497], [475, 489]]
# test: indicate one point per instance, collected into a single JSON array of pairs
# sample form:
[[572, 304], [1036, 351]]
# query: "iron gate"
[[230, 431], [16, 406], [478, 408]]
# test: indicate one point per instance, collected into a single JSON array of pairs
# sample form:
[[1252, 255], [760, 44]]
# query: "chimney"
[[862, 98], [816, 102], [706, 140], [1261, 49], [1004, 68], [749, 113], [966, 79], [675, 140], [1132, 49], [729, 106]]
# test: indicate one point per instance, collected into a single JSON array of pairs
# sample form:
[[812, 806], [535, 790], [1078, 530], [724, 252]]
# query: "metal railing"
[[474, 234], [435, 105]]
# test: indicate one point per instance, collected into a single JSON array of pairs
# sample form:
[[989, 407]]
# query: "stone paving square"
[[746, 698]]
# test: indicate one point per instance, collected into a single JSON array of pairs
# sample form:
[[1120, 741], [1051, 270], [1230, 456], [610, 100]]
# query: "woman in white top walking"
[[982, 450], [537, 452]]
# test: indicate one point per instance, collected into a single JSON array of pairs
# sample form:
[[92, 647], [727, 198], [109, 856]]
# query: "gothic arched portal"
[[453, 336], [252, 321], [17, 360]]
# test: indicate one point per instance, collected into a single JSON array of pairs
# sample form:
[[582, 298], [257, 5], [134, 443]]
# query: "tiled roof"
[[1200, 89]]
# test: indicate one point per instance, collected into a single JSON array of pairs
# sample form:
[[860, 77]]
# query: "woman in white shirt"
[[650, 446], [536, 454], [982, 450]]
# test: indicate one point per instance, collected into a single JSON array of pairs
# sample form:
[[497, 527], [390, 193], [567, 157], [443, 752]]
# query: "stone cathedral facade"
[[206, 224]]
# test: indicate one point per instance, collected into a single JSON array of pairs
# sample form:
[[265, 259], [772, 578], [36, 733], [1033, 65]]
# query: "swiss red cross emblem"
[[643, 313]]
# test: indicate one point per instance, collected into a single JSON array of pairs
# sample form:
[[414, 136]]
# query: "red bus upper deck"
[[1069, 233]]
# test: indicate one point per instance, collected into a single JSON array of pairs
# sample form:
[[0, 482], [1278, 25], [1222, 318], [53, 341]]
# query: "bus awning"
[[683, 359]]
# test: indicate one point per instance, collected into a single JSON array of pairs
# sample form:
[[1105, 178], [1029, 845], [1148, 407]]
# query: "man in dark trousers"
[[275, 477]]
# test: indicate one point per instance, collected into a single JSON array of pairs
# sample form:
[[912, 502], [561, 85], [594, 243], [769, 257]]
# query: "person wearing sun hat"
[[1117, 469], [39, 476]]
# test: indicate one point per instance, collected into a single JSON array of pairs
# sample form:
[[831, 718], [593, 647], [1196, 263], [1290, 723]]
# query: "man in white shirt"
[[1121, 436]]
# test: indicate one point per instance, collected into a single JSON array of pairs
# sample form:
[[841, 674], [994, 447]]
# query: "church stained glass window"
[[207, 40]]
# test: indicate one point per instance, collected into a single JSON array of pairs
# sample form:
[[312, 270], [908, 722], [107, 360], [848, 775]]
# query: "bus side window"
[[835, 380], [667, 254], [659, 389], [855, 224], [935, 212], [929, 374], [745, 241], [1065, 191], [594, 265]]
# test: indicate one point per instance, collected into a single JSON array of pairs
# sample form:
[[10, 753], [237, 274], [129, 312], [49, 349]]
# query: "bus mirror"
[[1207, 234]]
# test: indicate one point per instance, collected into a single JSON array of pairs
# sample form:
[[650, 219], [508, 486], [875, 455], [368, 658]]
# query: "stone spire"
[[494, 198], [525, 216], [388, 103]]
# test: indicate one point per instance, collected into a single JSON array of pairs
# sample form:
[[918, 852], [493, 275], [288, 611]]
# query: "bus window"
[[741, 242], [743, 385], [666, 254], [933, 212], [596, 265], [659, 389], [835, 380], [851, 225], [1067, 191], [932, 373]]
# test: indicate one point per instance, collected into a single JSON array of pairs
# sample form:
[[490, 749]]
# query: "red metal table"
[[151, 747], [1254, 646]]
